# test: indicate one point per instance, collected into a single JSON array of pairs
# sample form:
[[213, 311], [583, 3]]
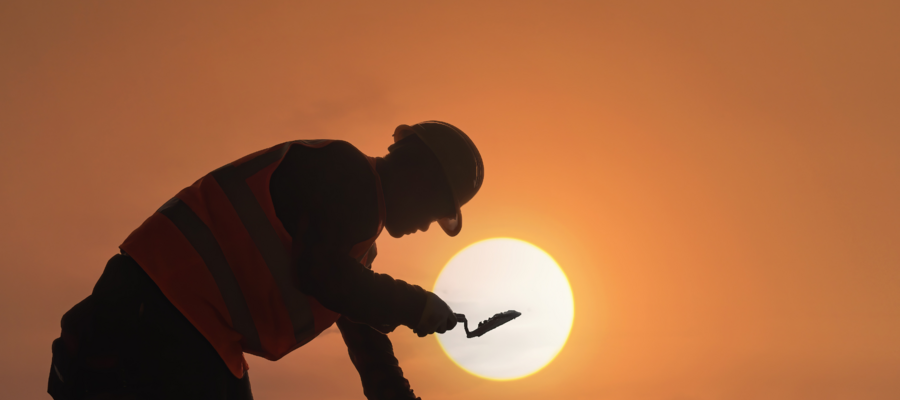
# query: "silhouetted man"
[[260, 256]]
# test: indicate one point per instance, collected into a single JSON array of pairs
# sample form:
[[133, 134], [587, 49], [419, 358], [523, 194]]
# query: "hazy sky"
[[719, 180]]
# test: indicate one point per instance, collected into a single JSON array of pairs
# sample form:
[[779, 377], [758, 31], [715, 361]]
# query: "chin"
[[393, 233]]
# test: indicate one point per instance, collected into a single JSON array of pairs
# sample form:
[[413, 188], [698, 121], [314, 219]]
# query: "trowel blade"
[[488, 324]]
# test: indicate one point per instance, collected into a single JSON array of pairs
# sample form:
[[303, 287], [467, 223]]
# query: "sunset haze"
[[719, 181]]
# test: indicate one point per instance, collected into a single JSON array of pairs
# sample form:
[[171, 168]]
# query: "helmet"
[[459, 160]]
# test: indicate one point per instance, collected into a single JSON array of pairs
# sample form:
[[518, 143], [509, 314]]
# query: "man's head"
[[430, 171]]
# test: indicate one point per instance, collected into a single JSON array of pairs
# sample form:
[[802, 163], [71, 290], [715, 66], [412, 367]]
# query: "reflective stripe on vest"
[[206, 245], [233, 182]]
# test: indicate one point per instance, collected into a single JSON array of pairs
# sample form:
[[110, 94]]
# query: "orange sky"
[[719, 182]]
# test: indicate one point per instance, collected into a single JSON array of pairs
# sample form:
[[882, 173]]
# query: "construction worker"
[[261, 256]]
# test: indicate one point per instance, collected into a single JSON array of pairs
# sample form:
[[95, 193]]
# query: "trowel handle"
[[465, 322]]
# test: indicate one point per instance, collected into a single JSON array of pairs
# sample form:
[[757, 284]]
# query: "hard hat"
[[459, 159]]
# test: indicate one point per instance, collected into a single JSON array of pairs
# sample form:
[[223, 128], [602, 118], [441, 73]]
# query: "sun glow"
[[501, 274]]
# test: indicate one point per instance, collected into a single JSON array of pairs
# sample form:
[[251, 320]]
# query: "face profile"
[[416, 192]]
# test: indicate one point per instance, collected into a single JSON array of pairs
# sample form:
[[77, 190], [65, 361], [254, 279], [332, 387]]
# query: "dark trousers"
[[127, 341]]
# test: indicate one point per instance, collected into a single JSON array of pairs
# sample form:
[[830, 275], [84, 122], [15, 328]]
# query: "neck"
[[387, 172], [388, 176]]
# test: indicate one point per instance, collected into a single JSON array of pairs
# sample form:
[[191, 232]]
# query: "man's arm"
[[373, 356], [327, 201], [324, 270]]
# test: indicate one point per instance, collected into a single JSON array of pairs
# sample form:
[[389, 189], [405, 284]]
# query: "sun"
[[501, 274]]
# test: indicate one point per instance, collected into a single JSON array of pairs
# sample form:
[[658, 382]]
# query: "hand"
[[437, 317]]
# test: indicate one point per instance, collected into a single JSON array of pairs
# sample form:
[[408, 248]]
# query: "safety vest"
[[222, 257]]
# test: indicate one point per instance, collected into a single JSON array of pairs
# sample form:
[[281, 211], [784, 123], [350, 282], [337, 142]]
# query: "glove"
[[436, 317]]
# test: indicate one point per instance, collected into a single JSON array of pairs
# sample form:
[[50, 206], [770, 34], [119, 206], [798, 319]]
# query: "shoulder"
[[337, 176], [337, 158]]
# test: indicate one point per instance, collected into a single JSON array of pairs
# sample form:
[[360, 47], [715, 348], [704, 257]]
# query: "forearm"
[[373, 356], [344, 286]]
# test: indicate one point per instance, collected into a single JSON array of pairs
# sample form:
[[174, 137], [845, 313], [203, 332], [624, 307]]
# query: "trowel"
[[488, 324]]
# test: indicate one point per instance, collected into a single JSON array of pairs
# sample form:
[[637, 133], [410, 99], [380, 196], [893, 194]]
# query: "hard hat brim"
[[452, 225]]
